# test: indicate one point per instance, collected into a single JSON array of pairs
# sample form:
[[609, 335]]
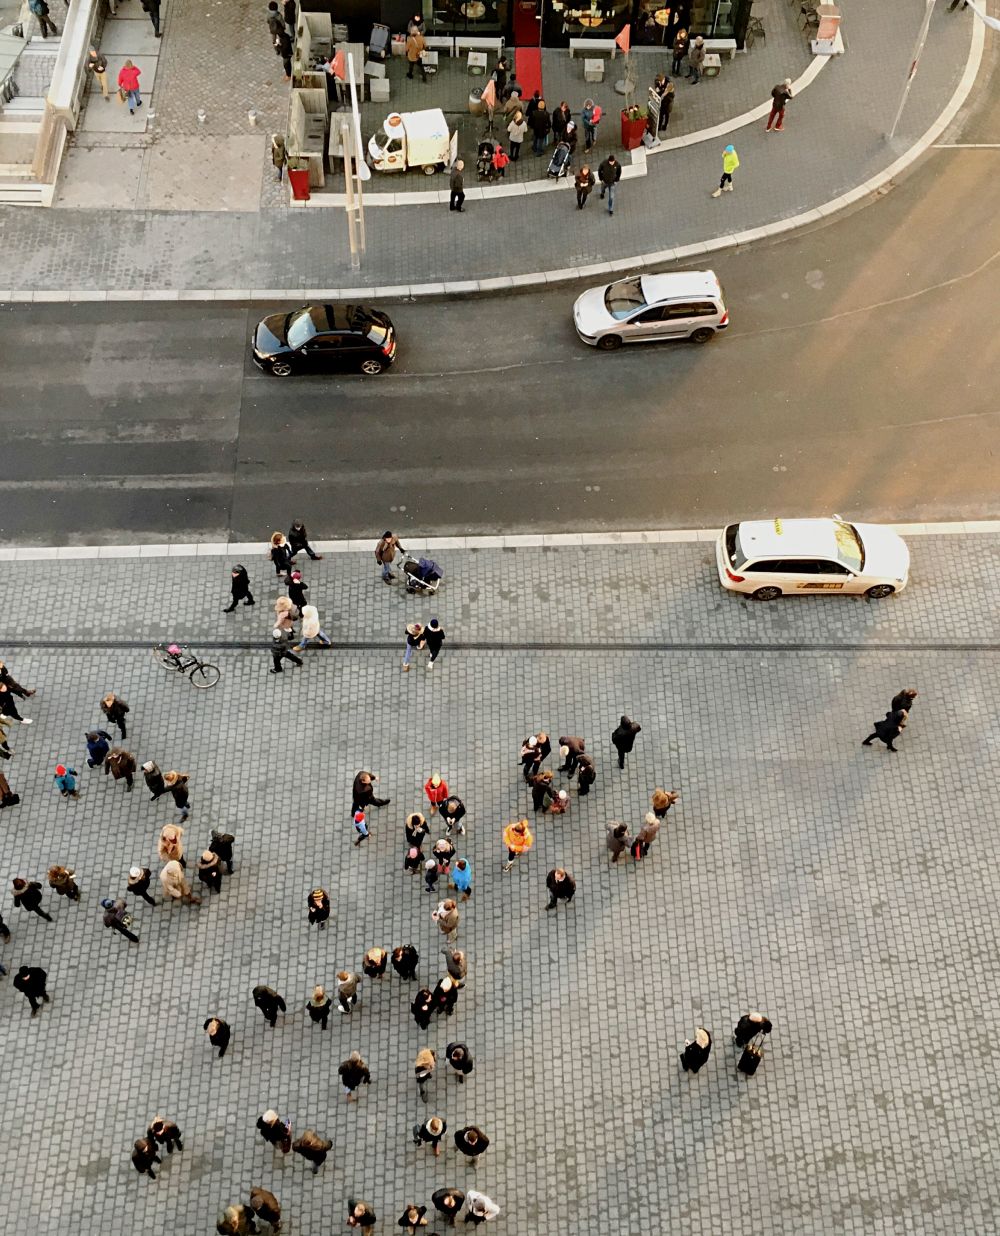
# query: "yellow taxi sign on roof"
[[777, 527]]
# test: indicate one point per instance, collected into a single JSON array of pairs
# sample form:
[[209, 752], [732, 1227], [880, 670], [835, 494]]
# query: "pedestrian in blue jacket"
[[98, 745]]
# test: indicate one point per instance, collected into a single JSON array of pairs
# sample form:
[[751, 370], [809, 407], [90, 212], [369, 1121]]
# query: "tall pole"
[[352, 224], [362, 170], [918, 48]]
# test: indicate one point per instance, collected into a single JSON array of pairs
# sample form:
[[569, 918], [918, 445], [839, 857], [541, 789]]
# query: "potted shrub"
[[633, 126]]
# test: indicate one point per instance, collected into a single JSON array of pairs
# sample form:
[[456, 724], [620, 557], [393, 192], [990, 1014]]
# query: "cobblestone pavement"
[[800, 873], [834, 140]]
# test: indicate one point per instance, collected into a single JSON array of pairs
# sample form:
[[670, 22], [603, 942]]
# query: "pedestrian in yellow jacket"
[[730, 162], [518, 839]]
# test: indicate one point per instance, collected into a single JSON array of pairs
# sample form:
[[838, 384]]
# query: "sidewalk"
[[800, 874], [833, 142]]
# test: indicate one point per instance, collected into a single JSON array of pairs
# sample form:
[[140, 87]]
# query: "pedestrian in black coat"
[[586, 774], [416, 828], [360, 1214], [115, 710], [374, 962], [623, 737], [165, 1133], [422, 1007], [297, 589], [210, 870], [28, 896], [240, 586], [177, 787], [144, 1156], [269, 1003], [363, 792], [570, 748], [154, 780], [12, 685], [433, 637], [888, 729], [237, 1220], [138, 883], [903, 701], [222, 844], [412, 1218], [275, 1131], [448, 1202], [318, 1007], [583, 182], [281, 551], [413, 859], [430, 1133], [219, 1034], [749, 1026], [318, 904], [298, 537], [541, 789], [354, 1073], [472, 1142], [561, 886], [534, 749], [696, 1051], [404, 961], [460, 1059], [281, 650], [7, 706], [445, 996], [30, 981]]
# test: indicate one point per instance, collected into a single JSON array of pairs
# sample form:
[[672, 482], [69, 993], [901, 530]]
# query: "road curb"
[[418, 543], [546, 278]]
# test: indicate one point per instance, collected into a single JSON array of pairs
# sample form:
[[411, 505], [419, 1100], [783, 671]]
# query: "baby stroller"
[[423, 575], [378, 42], [560, 162], [484, 160]]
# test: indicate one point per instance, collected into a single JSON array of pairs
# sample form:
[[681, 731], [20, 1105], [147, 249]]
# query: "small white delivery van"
[[413, 139]]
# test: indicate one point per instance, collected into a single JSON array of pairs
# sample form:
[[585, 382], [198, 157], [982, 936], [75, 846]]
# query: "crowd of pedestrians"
[[436, 822]]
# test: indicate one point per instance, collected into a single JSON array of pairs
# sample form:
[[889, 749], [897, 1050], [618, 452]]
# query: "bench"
[[478, 43], [595, 45], [437, 42], [721, 45]]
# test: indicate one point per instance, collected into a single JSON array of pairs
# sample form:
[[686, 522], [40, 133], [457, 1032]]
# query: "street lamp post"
[[356, 171]]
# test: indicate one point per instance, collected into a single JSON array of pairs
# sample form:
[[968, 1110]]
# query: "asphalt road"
[[858, 376]]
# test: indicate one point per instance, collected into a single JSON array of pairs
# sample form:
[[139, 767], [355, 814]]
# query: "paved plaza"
[[847, 892]]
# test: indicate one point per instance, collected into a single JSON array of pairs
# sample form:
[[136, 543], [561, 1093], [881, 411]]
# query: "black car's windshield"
[[624, 297], [301, 327]]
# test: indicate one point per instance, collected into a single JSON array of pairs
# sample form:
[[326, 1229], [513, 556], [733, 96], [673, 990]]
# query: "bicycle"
[[755, 30], [176, 657]]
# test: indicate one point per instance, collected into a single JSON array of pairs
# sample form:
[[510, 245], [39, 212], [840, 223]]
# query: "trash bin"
[[298, 178], [476, 105]]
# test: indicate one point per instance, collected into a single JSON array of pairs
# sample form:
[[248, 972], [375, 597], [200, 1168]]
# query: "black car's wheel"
[[371, 366], [702, 334], [766, 594], [281, 369], [608, 343], [878, 591]]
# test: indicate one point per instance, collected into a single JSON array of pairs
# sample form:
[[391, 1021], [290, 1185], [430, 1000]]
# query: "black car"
[[320, 338]]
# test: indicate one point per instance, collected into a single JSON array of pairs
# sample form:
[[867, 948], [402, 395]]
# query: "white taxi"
[[770, 558]]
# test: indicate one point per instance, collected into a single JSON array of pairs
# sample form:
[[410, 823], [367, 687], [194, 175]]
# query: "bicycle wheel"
[[167, 659], [203, 676]]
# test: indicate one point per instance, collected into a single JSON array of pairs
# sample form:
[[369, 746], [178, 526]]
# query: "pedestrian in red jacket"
[[436, 789]]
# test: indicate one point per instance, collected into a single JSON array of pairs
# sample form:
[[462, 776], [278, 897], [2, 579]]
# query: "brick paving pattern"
[[800, 873]]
